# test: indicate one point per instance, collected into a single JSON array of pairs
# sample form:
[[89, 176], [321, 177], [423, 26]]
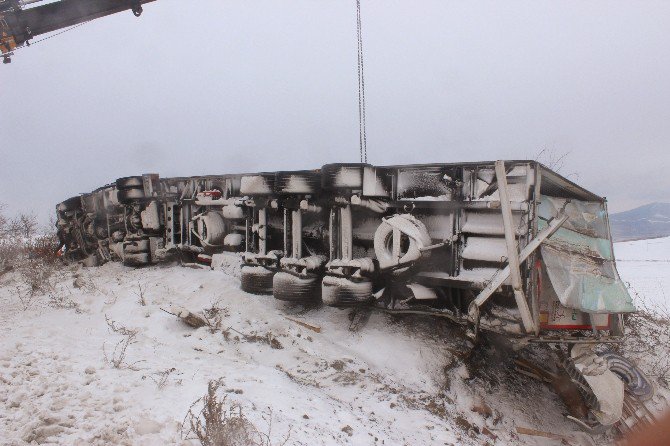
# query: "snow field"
[[645, 267], [396, 381]]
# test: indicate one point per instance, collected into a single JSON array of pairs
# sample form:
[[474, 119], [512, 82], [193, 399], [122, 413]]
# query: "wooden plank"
[[512, 249], [314, 328]]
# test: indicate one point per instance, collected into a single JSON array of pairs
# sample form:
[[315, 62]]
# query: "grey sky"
[[216, 86]]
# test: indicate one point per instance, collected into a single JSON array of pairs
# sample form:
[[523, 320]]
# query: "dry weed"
[[161, 378], [647, 340], [117, 357], [141, 299], [219, 423]]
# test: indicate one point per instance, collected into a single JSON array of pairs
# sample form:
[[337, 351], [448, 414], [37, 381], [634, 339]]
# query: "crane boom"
[[18, 25]]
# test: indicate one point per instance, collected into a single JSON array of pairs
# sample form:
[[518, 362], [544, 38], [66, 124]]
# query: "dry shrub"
[[161, 378], [10, 252], [33, 256], [20, 240], [117, 357], [60, 299], [647, 340], [141, 298], [219, 423], [44, 247], [36, 278]]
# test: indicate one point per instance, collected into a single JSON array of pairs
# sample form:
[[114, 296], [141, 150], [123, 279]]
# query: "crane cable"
[[361, 88], [29, 44]]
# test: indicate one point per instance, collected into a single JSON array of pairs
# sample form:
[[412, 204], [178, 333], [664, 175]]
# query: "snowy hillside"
[[645, 266], [648, 221], [395, 381]]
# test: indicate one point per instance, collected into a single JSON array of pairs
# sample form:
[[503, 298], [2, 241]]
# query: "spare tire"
[[256, 279], [342, 176], [344, 292], [413, 236], [635, 380], [291, 288], [136, 182]]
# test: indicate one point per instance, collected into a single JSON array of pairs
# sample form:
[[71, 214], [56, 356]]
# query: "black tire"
[[298, 183], [128, 195], [342, 176], [130, 183], [71, 204], [138, 259], [290, 288], [256, 280], [136, 246], [343, 292]]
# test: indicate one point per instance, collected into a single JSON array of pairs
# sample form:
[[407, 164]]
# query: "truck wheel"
[[128, 195], [88, 202], [71, 204], [138, 259], [343, 292], [260, 184], [136, 246], [90, 261], [290, 288], [256, 280], [130, 183]]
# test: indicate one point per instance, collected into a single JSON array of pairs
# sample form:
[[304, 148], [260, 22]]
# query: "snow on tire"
[[297, 182], [342, 292], [256, 280], [290, 288], [126, 195], [262, 184], [342, 176]]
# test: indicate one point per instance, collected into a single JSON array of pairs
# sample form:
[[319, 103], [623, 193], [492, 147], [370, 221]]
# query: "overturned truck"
[[508, 247]]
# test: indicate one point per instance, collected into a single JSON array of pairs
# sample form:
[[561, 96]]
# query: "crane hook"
[[137, 8]]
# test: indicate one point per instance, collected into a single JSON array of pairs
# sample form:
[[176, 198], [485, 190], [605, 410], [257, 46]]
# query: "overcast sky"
[[223, 86]]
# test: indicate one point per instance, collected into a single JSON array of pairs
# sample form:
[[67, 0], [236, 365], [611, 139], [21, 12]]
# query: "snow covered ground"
[[396, 381], [645, 266]]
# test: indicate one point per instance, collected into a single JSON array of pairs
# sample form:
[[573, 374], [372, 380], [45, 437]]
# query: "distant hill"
[[648, 221]]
